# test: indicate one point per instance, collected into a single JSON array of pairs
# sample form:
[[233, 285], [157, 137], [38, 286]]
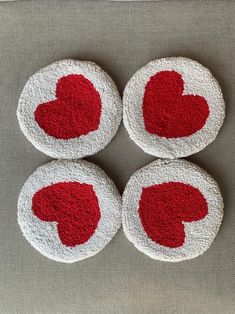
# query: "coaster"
[[172, 210], [69, 211], [173, 107], [70, 109]]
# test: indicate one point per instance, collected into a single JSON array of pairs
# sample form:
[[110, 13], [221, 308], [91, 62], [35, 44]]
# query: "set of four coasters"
[[171, 209]]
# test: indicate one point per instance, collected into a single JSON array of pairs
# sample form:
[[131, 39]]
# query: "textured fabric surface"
[[69, 95], [163, 234], [170, 86], [50, 99], [202, 105], [49, 238], [78, 214], [120, 37]]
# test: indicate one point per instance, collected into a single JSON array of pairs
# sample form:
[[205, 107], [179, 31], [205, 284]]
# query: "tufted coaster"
[[173, 107], [172, 210], [69, 211], [70, 109]]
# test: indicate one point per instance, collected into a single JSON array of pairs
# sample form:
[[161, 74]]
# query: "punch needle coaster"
[[69, 211], [172, 210], [173, 107], [70, 109]]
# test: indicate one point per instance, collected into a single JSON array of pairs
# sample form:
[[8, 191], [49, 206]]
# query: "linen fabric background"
[[121, 37]]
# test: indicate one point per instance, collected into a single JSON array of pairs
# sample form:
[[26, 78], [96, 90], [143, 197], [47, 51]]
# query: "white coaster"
[[172, 210], [70, 109], [69, 211], [173, 107]]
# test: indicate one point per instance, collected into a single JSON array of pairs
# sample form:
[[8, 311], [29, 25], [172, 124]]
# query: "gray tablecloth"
[[121, 37]]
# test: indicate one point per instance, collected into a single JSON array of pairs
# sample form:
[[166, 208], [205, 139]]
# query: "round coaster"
[[173, 107], [70, 109], [172, 210], [69, 211]]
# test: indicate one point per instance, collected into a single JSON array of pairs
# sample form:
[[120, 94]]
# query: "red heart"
[[75, 112], [164, 207], [168, 113], [74, 206]]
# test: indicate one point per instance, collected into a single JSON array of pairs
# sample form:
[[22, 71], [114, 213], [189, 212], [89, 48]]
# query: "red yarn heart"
[[75, 112], [164, 207], [168, 113], [74, 206]]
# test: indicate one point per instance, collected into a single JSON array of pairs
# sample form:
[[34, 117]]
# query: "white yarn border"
[[43, 236], [198, 81], [41, 88], [199, 234]]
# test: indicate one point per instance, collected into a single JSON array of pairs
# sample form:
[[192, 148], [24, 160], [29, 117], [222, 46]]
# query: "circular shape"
[[171, 210], [69, 211], [173, 107], [70, 109]]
